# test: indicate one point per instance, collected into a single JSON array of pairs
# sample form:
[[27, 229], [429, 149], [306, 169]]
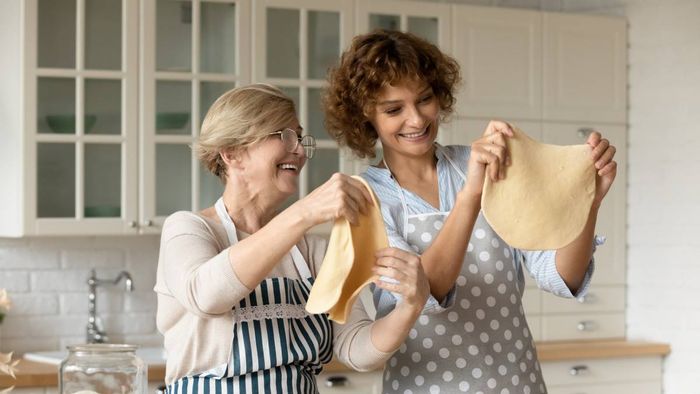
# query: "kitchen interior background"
[[46, 276]]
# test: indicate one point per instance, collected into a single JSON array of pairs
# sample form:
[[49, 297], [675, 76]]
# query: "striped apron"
[[277, 347]]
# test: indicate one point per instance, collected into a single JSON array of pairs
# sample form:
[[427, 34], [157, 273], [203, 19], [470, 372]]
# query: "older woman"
[[233, 279]]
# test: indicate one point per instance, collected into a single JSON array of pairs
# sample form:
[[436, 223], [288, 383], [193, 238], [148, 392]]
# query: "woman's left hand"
[[406, 269], [602, 155]]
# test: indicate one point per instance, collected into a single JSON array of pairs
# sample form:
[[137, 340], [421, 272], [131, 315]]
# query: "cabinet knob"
[[577, 370], [585, 326], [584, 132], [336, 381], [147, 223], [589, 298], [132, 224]]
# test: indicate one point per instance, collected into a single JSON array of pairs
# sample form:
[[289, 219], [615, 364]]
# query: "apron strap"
[[297, 257]]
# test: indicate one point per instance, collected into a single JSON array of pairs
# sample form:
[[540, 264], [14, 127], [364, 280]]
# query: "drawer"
[[598, 299], [582, 373], [651, 387], [583, 326], [350, 382]]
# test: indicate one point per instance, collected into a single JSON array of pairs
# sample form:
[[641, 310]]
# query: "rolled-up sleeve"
[[541, 264]]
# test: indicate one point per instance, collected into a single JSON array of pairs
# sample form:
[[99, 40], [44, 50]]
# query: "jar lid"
[[102, 348]]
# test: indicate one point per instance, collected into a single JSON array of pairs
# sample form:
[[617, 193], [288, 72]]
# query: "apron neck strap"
[[297, 257]]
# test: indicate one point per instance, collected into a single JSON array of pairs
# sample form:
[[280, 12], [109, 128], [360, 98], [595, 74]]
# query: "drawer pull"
[[586, 326], [336, 381], [589, 298], [578, 370], [584, 132]]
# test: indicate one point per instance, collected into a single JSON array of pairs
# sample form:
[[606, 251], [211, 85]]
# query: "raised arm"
[[442, 261]]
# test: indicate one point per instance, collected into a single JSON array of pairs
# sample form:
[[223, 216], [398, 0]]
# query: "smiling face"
[[406, 118], [270, 169]]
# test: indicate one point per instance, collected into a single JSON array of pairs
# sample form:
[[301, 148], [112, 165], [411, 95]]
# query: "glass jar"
[[103, 369]]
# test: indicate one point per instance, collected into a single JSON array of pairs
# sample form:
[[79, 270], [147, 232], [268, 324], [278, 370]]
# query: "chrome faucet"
[[95, 331]]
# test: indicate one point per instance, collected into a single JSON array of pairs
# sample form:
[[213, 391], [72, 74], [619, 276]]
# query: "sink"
[[150, 355]]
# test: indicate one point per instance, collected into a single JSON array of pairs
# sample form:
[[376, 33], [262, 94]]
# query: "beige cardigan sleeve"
[[352, 341], [196, 267]]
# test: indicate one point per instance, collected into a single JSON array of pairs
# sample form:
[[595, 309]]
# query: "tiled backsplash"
[[46, 280]]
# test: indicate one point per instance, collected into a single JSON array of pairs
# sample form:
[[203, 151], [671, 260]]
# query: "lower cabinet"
[[631, 375], [602, 376], [350, 382]]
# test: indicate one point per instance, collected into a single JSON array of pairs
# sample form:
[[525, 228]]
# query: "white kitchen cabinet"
[[430, 21], [294, 44], [69, 117], [597, 376], [500, 52], [191, 52], [98, 139], [584, 68]]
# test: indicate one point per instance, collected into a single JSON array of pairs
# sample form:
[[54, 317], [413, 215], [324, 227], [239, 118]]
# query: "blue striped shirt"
[[540, 264]]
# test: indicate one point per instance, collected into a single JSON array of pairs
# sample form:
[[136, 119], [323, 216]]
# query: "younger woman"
[[395, 88]]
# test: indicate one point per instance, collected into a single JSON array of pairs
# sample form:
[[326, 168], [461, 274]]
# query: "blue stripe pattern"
[[271, 355]]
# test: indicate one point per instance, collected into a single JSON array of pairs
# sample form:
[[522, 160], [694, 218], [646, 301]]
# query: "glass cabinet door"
[[429, 21], [194, 53], [84, 126], [295, 43]]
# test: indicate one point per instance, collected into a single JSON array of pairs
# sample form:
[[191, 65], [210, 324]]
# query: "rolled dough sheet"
[[544, 201]]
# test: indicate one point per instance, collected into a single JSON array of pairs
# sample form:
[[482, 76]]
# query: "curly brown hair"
[[374, 60]]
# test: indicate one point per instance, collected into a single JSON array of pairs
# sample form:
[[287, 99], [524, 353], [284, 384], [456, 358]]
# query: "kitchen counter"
[[34, 374]]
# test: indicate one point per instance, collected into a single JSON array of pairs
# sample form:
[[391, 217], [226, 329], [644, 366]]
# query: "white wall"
[[46, 279], [664, 184]]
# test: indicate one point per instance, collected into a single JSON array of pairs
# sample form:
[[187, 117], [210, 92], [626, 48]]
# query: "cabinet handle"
[[132, 224], [577, 370], [584, 132], [585, 326], [148, 223], [336, 381], [589, 298]]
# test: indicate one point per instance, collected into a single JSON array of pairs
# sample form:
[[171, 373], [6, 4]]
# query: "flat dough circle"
[[347, 265], [545, 199]]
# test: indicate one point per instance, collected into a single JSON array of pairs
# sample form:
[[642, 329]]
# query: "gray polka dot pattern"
[[480, 345]]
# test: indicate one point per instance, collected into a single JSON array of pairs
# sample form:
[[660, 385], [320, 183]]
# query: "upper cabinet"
[[70, 137], [429, 21], [585, 68], [101, 111], [295, 42], [519, 64], [102, 99], [500, 54], [191, 52]]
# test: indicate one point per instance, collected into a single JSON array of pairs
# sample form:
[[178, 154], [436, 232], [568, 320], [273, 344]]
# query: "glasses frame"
[[308, 142]]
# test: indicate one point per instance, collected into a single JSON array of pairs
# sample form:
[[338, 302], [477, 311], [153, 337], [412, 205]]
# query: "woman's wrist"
[[469, 197], [300, 216]]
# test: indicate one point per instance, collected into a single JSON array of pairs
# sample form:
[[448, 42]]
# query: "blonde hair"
[[240, 118]]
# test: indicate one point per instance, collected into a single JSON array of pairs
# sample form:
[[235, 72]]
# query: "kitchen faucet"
[[95, 331]]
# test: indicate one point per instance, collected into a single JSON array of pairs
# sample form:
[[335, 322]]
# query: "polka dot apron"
[[482, 344]]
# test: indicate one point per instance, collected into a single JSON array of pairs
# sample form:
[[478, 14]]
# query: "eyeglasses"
[[291, 140]]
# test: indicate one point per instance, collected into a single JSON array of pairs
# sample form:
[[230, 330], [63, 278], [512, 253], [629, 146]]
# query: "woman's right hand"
[[405, 268], [340, 196], [489, 156]]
